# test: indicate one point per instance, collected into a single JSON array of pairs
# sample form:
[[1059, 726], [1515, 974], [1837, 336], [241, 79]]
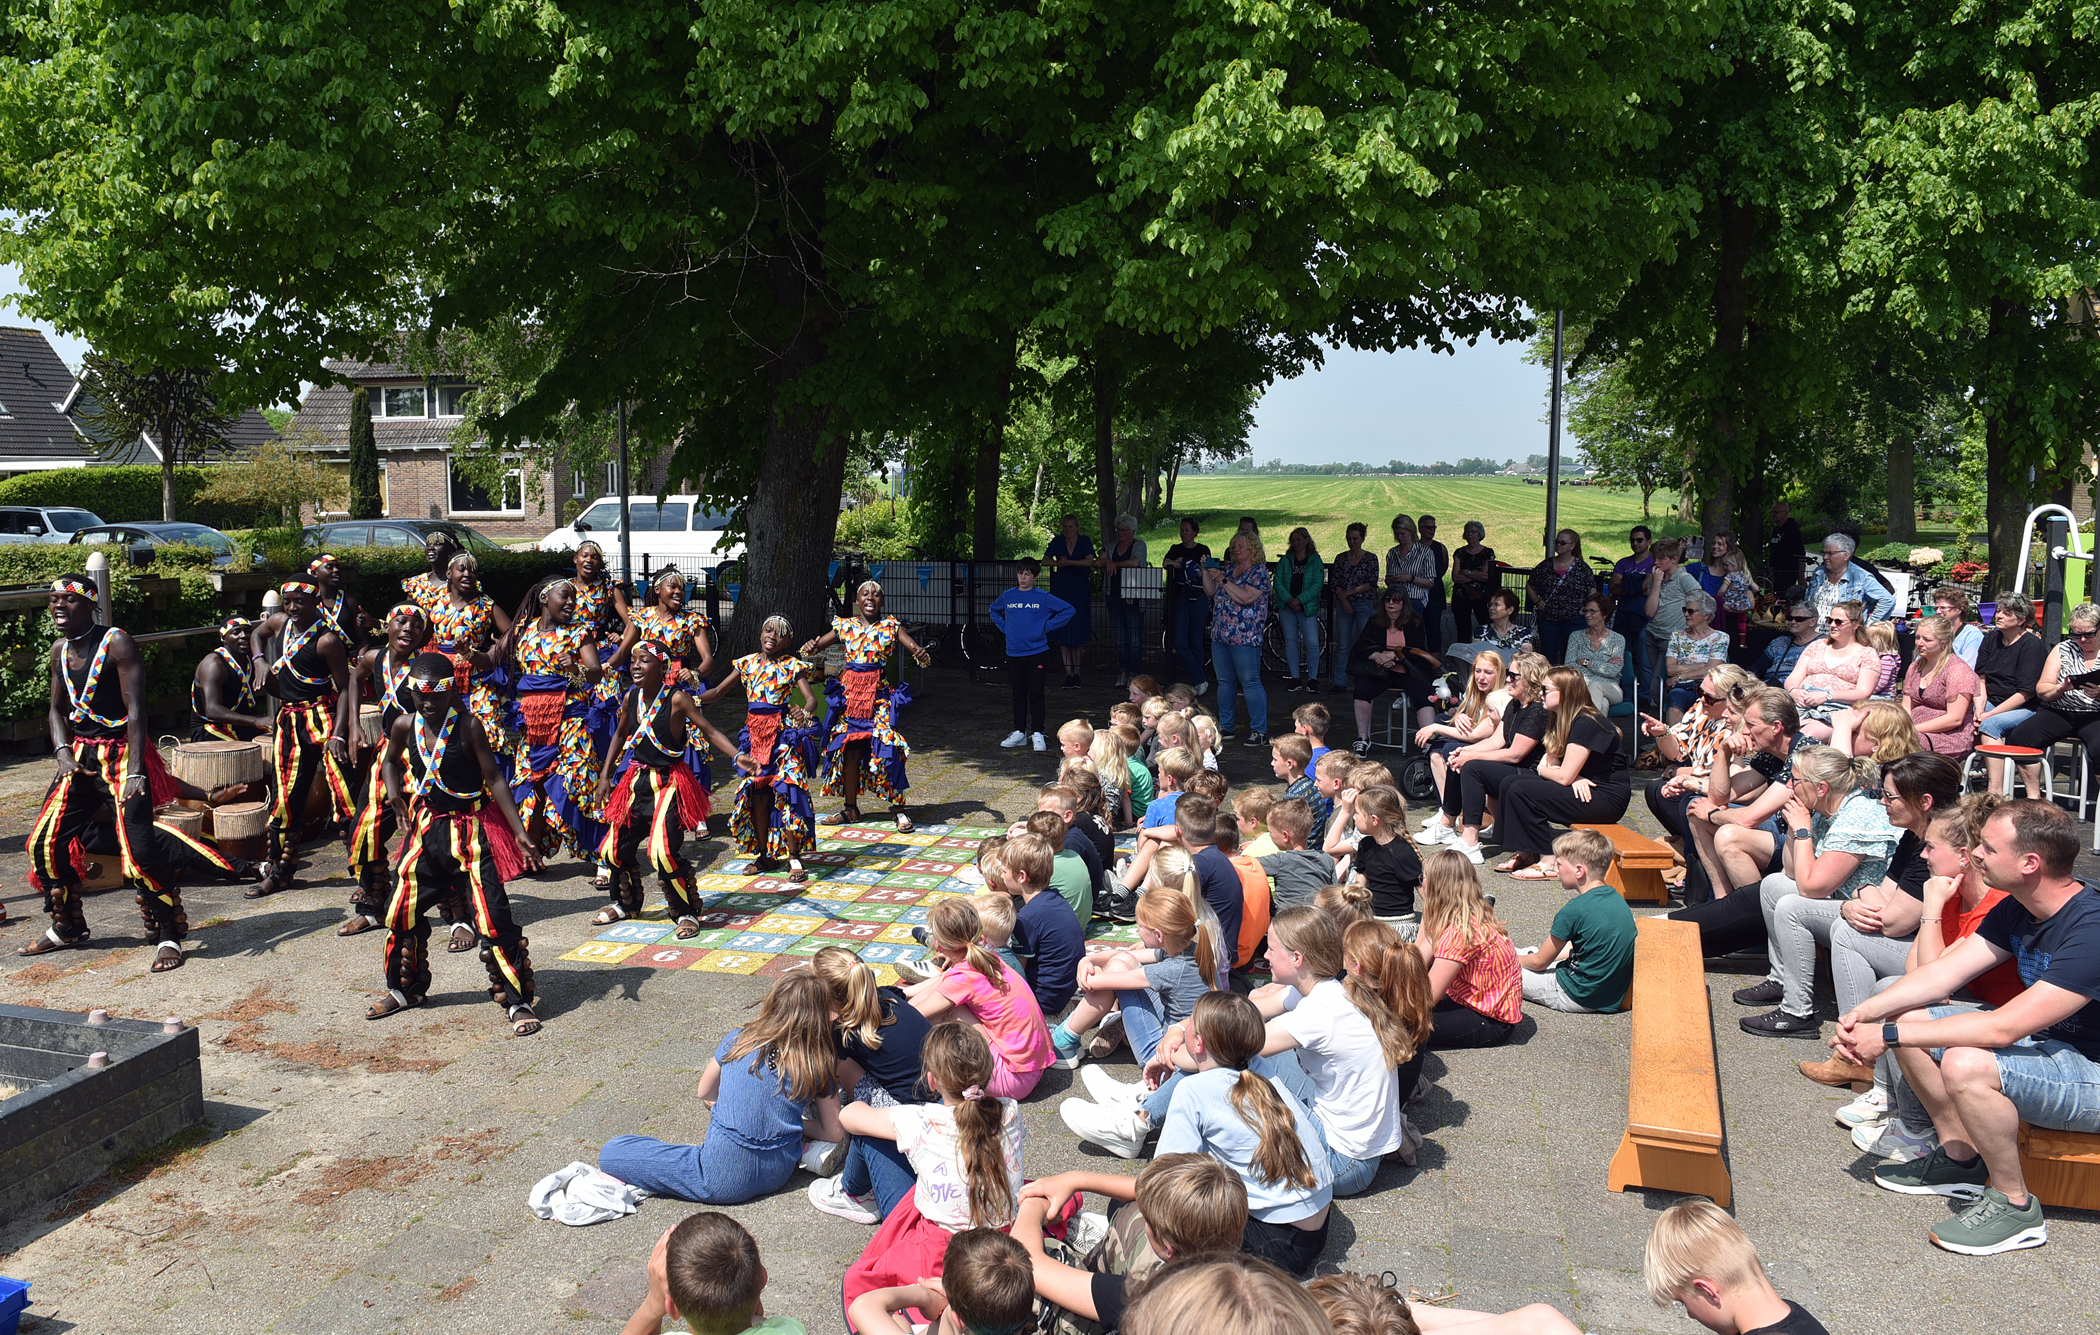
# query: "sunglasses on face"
[[1800, 619], [2084, 634]]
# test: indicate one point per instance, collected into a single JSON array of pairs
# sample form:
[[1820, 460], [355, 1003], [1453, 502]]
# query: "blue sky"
[[1417, 406]]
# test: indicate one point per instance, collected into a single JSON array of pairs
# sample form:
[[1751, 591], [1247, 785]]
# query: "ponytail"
[[1233, 1033], [1389, 984], [954, 925], [1168, 913], [855, 992], [958, 1064]]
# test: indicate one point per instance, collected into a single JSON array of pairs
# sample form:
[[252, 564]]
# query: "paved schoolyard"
[[361, 1177]]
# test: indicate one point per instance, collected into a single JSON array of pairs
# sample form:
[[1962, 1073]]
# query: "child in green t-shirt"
[[1594, 932]]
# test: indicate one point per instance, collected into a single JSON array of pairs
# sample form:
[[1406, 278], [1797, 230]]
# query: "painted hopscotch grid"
[[868, 887]]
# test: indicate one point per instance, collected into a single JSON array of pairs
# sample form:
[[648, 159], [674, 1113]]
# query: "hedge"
[[374, 574], [129, 494]]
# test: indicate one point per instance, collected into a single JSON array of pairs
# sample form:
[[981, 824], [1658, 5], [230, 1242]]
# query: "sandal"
[[51, 941], [526, 1027], [1531, 874], [389, 1004], [688, 928], [357, 922], [609, 915], [458, 944], [163, 961], [843, 816], [1516, 862], [796, 874], [268, 885], [904, 825]]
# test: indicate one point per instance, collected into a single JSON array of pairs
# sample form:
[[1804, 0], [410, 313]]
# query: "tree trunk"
[[991, 441], [169, 443], [1105, 444], [1647, 516], [1687, 497], [793, 515], [2006, 490], [1903, 489], [1750, 520], [1731, 298], [1173, 476], [1151, 494]]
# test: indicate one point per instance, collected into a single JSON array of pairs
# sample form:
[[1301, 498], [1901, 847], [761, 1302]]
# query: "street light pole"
[[626, 527], [1553, 445]]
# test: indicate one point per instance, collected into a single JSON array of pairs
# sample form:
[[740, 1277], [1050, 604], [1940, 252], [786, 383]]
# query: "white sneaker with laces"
[[1872, 1106], [1035, 739], [1471, 851], [1895, 1142], [823, 1157], [829, 1195], [1105, 1089], [1120, 1129], [1434, 833], [1085, 1232], [1014, 738]]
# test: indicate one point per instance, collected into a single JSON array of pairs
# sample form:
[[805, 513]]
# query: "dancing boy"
[[311, 680]]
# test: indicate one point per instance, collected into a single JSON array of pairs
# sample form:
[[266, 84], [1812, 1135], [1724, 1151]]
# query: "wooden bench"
[[1638, 873], [1673, 1097], [2062, 1168]]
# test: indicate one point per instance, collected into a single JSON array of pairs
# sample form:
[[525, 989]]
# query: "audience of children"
[[1296, 872], [977, 986], [1145, 990], [1386, 861], [1474, 979], [1251, 808], [1585, 963]]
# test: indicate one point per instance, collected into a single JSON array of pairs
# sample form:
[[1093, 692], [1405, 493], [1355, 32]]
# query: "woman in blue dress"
[[1071, 560]]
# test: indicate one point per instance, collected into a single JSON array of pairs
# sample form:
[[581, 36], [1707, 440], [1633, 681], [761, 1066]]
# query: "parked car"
[[678, 531], [36, 523], [391, 533], [139, 540]]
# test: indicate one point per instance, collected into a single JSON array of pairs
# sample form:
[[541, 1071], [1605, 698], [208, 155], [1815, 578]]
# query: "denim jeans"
[[1347, 626], [1127, 616], [715, 1172], [1552, 637], [1142, 1027], [1301, 626], [2051, 1083], [876, 1166], [1238, 668], [1998, 727], [1188, 632]]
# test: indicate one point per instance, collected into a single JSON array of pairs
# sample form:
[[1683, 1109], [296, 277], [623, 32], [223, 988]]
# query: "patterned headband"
[[654, 648], [438, 687], [75, 586], [295, 585], [400, 610], [235, 622], [668, 572], [313, 567]]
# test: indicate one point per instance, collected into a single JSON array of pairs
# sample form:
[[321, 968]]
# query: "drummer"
[[311, 680], [223, 703]]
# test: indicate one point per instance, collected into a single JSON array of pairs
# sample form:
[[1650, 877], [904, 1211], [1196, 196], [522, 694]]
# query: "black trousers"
[[654, 836], [1533, 806], [1467, 799], [1728, 924], [1294, 1249], [2049, 726], [1453, 1024], [1670, 812], [1027, 676], [1413, 678], [1467, 611]]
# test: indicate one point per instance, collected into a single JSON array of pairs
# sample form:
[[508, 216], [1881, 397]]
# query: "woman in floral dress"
[[554, 776], [865, 749], [771, 817]]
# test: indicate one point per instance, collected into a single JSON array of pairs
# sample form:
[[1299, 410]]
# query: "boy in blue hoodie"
[[1027, 615]]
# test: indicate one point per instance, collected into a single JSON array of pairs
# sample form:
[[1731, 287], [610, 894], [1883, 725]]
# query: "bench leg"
[[1669, 1168]]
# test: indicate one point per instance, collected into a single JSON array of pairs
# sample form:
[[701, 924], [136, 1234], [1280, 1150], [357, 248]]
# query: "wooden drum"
[[240, 820], [215, 765], [188, 819], [368, 723]]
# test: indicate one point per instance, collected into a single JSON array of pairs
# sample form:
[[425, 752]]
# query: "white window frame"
[[437, 401], [514, 475], [377, 394], [386, 494]]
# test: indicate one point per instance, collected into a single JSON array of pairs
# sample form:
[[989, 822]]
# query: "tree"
[[364, 458], [172, 410], [1625, 440], [283, 476]]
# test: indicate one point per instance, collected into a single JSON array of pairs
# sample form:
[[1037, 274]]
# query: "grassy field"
[[1514, 512]]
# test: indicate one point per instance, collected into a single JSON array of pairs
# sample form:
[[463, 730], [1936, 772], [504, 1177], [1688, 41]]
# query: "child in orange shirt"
[[1254, 883]]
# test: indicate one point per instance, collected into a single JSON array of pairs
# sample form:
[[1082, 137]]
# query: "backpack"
[[1738, 594]]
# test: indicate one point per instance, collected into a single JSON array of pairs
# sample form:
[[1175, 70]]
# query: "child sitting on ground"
[[1330, 778], [1149, 715], [1178, 1205], [987, 1287], [1069, 873], [1075, 738], [1047, 933], [1203, 1295], [706, 1269], [1130, 711], [1174, 730], [1473, 974], [975, 985], [1211, 784], [1208, 741], [1290, 760], [1297, 873], [1698, 1255], [1594, 932], [766, 1083], [1177, 767], [1310, 722], [1251, 807], [1386, 861], [1079, 805], [1111, 760], [1138, 994], [1181, 698], [990, 867], [1142, 787], [995, 920], [1142, 688], [1254, 893]]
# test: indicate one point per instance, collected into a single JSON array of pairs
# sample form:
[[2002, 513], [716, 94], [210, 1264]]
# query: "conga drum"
[[215, 765]]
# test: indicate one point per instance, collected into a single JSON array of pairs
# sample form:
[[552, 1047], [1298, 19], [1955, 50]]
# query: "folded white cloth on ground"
[[580, 1194]]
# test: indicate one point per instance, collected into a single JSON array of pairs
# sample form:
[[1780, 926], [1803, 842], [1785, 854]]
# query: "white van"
[[676, 531]]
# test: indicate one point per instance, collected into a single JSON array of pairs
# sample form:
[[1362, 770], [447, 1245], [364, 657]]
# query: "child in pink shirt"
[[976, 985]]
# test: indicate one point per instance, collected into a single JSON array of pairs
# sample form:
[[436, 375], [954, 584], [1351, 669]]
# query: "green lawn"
[[1514, 512]]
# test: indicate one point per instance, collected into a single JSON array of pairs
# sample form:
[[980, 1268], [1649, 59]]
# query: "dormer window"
[[398, 401]]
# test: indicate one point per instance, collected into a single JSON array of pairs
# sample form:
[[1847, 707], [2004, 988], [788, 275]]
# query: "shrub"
[[1895, 552], [374, 574], [127, 493], [26, 636]]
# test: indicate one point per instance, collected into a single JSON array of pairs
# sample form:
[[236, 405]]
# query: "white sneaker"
[[1085, 1232], [1896, 1142], [1106, 1090], [1035, 739], [1435, 818], [1471, 851], [1014, 738], [1434, 833], [823, 1157], [1872, 1106], [1487, 833], [1203, 690], [829, 1195], [1118, 1128]]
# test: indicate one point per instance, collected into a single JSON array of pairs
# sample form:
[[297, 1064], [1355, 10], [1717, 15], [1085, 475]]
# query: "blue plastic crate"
[[14, 1296]]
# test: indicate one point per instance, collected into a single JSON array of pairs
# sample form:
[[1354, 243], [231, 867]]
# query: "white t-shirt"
[[1356, 1095], [926, 1134]]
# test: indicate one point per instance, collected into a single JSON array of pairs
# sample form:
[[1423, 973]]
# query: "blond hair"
[[1110, 753], [1255, 804], [1827, 764], [1531, 669], [1076, 730], [1890, 727], [1179, 764], [1475, 704], [1696, 1239], [1360, 1305], [1385, 806], [1233, 1033], [1192, 1203], [1293, 817], [1588, 847], [995, 913], [1174, 729], [1337, 764], [1032, 857], [955, 928], [1168, 911], [1879, 634], [1207, 738], [1208, 784], [1221, 1291], [1293, 747], [1380, 960], [1370, 774], [1346, 904], [855, 992], [792, 1034], [1452, 900]]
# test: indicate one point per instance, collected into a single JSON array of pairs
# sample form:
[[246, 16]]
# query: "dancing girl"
[[772, 818], [865, 749], [555, 771]]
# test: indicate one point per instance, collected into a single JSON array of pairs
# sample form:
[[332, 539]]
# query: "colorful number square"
[[669, 957], [930, 867], [769, 942], [736, 867], [858, 834], [812, 908], [824, 859], [770, 885], [724, 918], [781, 964], [897, 933], [806, 947], [936, 829], [880, 952], [952, 842], [904, 880], [862, 876], [888, 849], [979, 832], [892, 891], [870, 912], [727, 961], [747, 900], [876, 864], [844, 931], [791, 924], [719, 881], [636, 933], [917, 915], [955, 885], [603, 952], [710, 940]]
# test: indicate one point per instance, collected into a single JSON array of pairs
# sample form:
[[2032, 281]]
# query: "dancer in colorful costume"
[[465, 625], [772, 818], [316, 716], [657, 799], [460, 836], [601, 601], [685, 634], [223, 704], [338, 604], [865, 749], [386, 668], [428, 591], [556, 764]]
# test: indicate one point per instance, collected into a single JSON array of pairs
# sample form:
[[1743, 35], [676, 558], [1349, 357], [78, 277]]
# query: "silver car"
[[49, 524]]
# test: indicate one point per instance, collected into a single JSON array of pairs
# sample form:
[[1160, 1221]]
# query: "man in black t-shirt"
[[1786, 550], [1982, 1073]]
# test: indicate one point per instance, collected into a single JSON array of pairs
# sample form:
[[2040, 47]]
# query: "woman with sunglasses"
[[1785, 650], [1836, 671], [1384, 658], [2070, 689], [2010, 662]]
